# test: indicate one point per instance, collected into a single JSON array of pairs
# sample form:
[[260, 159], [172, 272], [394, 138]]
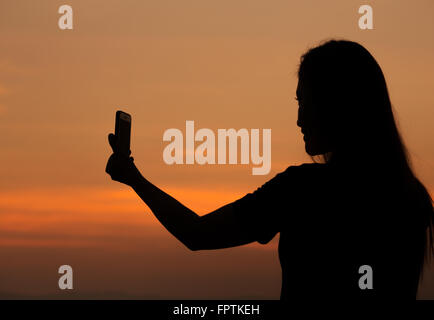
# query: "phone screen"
[[123, 132]]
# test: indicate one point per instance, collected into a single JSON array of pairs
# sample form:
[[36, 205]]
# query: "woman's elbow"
[[193, 246], [195, 239]]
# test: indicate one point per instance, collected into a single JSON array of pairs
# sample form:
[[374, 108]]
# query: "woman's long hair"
[[352, 100]]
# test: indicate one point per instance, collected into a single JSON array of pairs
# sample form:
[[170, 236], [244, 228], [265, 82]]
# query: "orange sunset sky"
[[223, 64]]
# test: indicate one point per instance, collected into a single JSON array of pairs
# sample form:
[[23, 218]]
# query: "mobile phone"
[[123, 132]]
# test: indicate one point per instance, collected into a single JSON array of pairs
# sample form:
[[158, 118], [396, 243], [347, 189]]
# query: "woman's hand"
[[121, 168]]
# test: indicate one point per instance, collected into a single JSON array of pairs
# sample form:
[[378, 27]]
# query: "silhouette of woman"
[[361, 205]]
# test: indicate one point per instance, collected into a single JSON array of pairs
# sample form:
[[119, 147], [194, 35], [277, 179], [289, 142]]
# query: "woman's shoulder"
[[303, 173], [306, 168]]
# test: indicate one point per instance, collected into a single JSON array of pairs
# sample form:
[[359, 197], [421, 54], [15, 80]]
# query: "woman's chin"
[[313, 150]]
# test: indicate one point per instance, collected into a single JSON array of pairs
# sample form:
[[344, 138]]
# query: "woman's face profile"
[[313, 130]]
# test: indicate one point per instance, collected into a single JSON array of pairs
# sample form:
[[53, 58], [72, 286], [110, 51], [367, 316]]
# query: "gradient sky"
[[223, 64]]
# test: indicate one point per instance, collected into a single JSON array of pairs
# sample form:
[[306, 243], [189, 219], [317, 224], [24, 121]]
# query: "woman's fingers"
[[109, 166], [121, 168], [113, 141]]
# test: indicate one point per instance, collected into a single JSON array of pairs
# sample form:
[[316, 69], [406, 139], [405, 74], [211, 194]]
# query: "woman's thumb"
[[112, 141]]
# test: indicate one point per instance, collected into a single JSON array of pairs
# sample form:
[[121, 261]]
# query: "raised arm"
[[215, 230], [218, 229]]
